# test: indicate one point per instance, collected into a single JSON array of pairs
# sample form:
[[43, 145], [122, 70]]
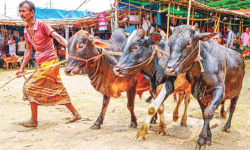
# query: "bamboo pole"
[[134, 6], [215, 24], [193, 17], [169, 4], [190, 18], [116, 14], [240, 32], [129, 13], [218, 23], [140, 13], [200, 25], [189, 7]]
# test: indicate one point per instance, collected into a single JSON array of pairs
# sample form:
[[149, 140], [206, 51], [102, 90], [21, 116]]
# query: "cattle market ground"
[[52, 133]]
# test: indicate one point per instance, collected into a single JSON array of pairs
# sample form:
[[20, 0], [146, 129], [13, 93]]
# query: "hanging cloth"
[[158, 19]]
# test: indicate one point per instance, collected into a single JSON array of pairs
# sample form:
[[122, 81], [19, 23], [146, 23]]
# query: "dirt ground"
[[53, 133]]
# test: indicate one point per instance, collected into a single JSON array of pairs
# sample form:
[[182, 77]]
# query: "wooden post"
[[129, 14], [169, 4], [200, 25], [240, 33], [116, 14], [189, 7], [215, 22], [207, 25], [5, 9], [218, 24], [140, 16], [193, 17]]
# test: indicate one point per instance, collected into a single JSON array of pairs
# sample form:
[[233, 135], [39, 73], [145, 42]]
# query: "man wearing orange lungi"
[[43, 87]]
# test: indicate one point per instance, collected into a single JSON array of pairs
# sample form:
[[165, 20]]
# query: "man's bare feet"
[[29, 124], [76, 116]]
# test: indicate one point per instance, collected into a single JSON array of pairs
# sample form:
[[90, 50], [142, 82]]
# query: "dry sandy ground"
[[52, 133]]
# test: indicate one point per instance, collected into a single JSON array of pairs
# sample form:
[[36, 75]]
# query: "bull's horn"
[[127, 34], [140, 32], [171, 28], [195, 27]]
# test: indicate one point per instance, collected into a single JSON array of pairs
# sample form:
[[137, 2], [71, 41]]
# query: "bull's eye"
[[80, 46], [189, 44], [135, 48]]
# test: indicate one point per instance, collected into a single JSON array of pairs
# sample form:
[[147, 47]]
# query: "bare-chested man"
[[43, 87]]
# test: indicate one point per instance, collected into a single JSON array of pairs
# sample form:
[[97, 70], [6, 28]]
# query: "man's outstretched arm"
[[59, 38]]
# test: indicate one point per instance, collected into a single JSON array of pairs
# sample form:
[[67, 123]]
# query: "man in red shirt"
[[43, 87]]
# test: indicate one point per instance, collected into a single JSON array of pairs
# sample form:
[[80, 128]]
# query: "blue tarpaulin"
[[42, 13], [129, 29]]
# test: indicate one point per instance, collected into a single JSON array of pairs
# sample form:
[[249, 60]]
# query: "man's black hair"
[[31, 5]]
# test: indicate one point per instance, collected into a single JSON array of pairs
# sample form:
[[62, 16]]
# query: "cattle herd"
[[180, 73]]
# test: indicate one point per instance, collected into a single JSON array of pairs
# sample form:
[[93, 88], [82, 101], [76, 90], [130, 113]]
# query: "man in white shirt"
[[12, 46], [21, 46], [163, 34]]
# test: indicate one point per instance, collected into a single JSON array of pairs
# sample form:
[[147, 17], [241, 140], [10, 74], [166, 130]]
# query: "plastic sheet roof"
[[42, 13]]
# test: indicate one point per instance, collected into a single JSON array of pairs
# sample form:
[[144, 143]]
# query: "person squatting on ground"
[[43, 87], [245, 37]]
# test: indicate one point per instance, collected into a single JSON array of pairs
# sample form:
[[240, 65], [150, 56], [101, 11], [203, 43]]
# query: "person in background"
[[163, 34], [43, 87], [198, 30], [12, 46], [218, 38], [245, 37], [21, 47], [230, 37]]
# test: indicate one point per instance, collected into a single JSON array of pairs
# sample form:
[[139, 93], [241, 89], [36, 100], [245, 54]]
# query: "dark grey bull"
[[138, 56], [85, 51], [221, 80]]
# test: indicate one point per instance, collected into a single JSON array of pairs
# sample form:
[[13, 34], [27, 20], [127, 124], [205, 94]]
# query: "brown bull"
[[86, 52]]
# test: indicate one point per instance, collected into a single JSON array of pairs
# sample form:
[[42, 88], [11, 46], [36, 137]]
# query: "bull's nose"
[[67, 72], [117, 70], [170, 71]]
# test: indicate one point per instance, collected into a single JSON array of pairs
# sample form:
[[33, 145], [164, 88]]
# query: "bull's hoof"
[[223, 117], [95, 127], [183, 124], [209, 143], [161, 131], [133, 125], [153, 121], [226, 130], [175, 117], [198, 147], [142, 132]]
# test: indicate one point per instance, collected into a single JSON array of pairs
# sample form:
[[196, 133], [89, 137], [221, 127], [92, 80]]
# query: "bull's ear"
[[206, 36], [154, 39], [99, 44]]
